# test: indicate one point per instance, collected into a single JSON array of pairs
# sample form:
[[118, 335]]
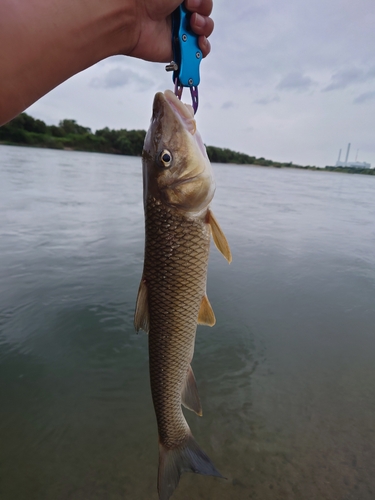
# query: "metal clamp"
[[186, 55]]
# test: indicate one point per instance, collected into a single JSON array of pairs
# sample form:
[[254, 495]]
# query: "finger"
[[203, 7], [201, 25], [204, 45]]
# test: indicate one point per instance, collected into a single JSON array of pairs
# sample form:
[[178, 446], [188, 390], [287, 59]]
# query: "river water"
[[286, 376]]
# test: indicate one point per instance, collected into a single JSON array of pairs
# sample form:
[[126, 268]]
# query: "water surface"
[[286, 376]]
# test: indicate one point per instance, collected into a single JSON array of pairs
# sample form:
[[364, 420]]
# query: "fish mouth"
[[185, 112]]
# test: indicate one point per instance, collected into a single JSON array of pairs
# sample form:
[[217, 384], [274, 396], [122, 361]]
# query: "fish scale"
[[176, 285]]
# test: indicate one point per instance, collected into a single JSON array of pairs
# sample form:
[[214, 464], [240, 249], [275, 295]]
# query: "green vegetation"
[[351, 170], [25, 130], [220, 155]]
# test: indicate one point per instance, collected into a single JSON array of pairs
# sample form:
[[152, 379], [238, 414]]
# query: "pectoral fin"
[[141, 316], [219, 237], [206, 315], [189, 397]]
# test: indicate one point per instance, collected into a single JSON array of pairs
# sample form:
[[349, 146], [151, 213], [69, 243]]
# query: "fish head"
[[176, 168]]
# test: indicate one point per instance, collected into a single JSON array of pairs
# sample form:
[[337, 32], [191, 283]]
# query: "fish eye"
[[165, 158]]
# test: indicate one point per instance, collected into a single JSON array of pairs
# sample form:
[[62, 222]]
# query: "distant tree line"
[[224, 155], [68, 134], [351, 170]]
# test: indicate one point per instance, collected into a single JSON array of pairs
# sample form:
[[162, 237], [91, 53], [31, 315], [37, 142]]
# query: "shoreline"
[[343, 170]]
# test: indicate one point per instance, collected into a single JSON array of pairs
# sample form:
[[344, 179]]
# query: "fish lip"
[[185, 114], [183, 111]]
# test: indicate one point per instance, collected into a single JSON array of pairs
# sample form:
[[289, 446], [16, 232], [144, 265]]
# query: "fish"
[[178, 187]]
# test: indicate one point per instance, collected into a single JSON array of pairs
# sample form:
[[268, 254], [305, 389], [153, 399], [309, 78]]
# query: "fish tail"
[[186, 458]]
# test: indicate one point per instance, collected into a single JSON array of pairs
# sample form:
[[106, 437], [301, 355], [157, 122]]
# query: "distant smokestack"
[[347, 153], [339, 158]]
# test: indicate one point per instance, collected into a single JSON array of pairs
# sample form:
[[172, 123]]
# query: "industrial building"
[[351, 164]]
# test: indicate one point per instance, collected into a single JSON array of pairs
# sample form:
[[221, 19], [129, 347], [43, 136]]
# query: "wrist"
[[112, 31]]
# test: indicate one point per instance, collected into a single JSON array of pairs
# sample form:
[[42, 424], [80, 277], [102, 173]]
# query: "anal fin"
[[206, 315], [189, 396], [218, 236], [141, 316]]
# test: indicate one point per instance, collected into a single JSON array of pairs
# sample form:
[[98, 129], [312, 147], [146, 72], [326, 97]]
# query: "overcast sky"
[[289, 80]]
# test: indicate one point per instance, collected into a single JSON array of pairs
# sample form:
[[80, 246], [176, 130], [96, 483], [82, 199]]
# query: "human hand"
[[45, 42], [154, 28]]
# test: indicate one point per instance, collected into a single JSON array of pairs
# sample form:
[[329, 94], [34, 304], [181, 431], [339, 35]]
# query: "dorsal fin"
[[189, 396], [218, 236], [141, 316], [206, 315]]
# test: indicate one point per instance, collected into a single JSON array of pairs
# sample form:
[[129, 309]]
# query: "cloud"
[[227, 105], [118, 77], [366, 96], [344, 78], [255, 46], [350, 76], [295, 81], [267, 100]]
